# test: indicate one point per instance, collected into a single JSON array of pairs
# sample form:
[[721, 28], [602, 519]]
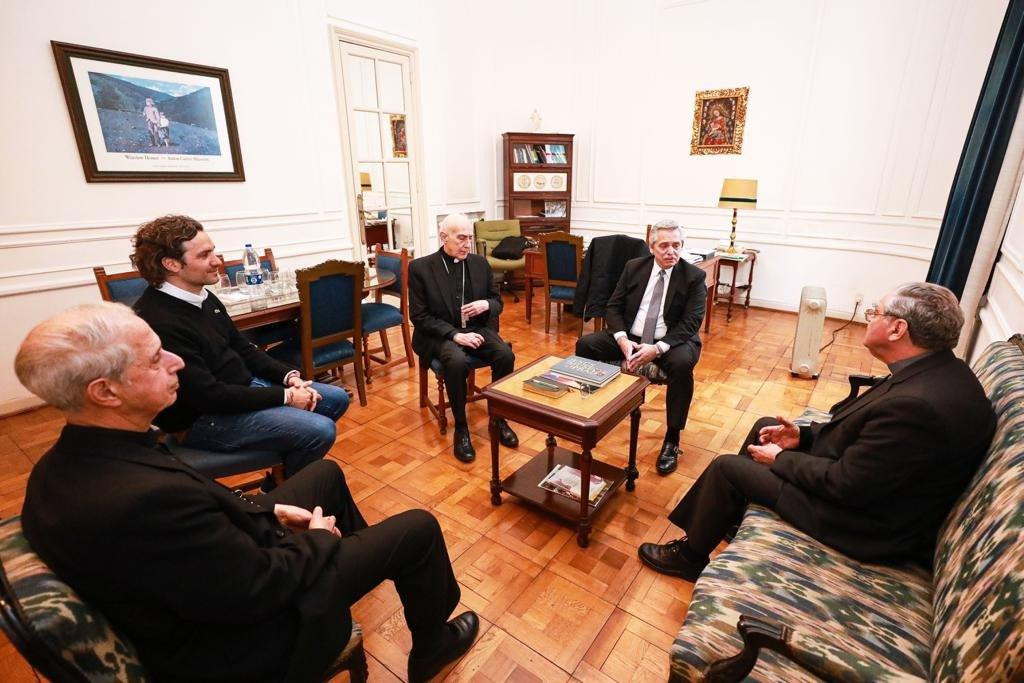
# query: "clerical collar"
[[179, 293], [450, 260], [901, 364]]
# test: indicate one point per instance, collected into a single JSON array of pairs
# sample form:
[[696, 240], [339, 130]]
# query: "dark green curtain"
[[982, 157]]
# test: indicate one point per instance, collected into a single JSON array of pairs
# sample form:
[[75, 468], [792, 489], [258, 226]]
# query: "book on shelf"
[[592, 372], [545, 387], [566, 481]]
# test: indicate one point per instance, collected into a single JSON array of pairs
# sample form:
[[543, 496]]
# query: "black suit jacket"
[[602, 267], [208, 585], [432, 306], [877, 481], [685, 300]]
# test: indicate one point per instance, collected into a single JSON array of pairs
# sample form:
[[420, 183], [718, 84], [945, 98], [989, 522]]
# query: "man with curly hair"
[[233, 396]]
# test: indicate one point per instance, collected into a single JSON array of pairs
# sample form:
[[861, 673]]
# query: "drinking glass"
[[223, 282], [240, 281]]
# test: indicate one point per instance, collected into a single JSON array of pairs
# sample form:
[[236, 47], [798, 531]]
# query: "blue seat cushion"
[[291, 352], [562, 293], [380, 317]]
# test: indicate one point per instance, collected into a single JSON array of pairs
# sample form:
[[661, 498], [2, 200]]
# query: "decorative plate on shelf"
[[557, 181], [523, 181], [539, 181]]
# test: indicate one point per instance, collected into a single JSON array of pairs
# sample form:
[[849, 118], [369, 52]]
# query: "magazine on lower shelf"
[[565, 481]]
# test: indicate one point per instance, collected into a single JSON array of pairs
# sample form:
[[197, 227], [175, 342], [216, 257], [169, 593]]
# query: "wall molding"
[[128, 231], [87, 279]]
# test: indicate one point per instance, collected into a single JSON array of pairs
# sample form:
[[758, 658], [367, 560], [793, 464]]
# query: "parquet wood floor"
[[550, 611]]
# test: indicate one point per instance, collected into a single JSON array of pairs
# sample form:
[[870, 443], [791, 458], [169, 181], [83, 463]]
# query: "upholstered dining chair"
[[330, 321], [562, 256], [69, 641], [124, 288], [380, 317], [488, 236], [272, 333]]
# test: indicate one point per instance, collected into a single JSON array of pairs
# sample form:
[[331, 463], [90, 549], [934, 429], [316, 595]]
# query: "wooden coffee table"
[[583, 421]]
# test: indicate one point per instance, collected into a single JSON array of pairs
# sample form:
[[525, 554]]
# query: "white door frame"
[[414, 131]]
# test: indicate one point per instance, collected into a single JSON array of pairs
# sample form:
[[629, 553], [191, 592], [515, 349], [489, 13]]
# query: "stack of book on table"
[[565, 481], [586, 371]]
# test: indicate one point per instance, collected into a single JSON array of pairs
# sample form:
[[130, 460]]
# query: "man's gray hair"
[[62, 355], [666, 225], [452, 220], [932, 313]]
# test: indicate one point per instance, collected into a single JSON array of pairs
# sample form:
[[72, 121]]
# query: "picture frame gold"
[[719, 117]]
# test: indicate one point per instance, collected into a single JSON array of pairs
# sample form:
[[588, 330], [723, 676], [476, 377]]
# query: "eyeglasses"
[[873, 312]]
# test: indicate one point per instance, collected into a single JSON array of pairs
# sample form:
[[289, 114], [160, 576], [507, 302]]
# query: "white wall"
[[54, 227], [857, 115], [1003, 313]]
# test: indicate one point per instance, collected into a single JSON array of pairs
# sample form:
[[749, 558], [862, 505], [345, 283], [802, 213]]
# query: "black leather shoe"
[[463, 447], [505, 435], [667, 459], [464, 629], [668, 559]]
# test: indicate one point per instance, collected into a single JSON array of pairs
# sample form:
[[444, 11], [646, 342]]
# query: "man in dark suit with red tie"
[[652, 325], [454, 304], [877, 480]]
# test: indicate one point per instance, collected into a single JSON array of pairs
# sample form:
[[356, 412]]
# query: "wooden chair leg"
[[547, 315], [360, 380], [407, 341], [366, 360], [580, 335], [424, 401], [558, 309], [385, 345], [442, 407]]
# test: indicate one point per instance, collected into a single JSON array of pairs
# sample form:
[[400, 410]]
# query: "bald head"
[[456, 235], [61, 356]]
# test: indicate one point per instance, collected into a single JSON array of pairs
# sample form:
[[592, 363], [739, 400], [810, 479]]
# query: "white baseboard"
[[19, 405], [794, 307]]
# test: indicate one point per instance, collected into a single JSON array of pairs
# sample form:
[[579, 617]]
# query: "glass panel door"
[[377, 86]]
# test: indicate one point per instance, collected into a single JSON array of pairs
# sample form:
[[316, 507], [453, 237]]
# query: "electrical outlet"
[[858, 298]]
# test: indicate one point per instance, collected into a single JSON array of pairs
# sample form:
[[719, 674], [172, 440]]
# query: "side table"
[[583, 421], [749, 255]]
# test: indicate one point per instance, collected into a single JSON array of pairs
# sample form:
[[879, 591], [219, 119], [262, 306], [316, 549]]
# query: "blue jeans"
[[300, 436]]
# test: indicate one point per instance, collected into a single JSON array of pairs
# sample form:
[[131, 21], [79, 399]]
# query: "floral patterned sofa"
[[796, 610]]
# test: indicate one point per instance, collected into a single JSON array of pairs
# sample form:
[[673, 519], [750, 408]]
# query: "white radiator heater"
[[809, 327]]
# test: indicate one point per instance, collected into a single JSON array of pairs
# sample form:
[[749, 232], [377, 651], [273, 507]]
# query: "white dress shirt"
[[660, 328]]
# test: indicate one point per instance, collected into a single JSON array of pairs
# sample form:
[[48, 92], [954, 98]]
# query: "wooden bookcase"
[[538, 180]]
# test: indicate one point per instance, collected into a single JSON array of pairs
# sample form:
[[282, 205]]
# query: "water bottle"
[[253, 271]]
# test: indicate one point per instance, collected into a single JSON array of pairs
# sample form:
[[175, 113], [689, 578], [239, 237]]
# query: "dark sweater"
[[219, 361]]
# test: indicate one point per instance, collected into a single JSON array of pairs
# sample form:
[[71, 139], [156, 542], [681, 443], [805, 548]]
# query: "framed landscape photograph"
[[718, 120], [139, 119]]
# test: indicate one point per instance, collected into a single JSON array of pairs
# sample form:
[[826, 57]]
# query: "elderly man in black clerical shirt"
[[207, 584], [454, 304], [878, 479]]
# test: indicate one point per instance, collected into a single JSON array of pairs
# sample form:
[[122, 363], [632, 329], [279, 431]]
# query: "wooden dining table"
[[286, 307]]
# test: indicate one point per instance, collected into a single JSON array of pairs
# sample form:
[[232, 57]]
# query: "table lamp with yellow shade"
[[737, 193]]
